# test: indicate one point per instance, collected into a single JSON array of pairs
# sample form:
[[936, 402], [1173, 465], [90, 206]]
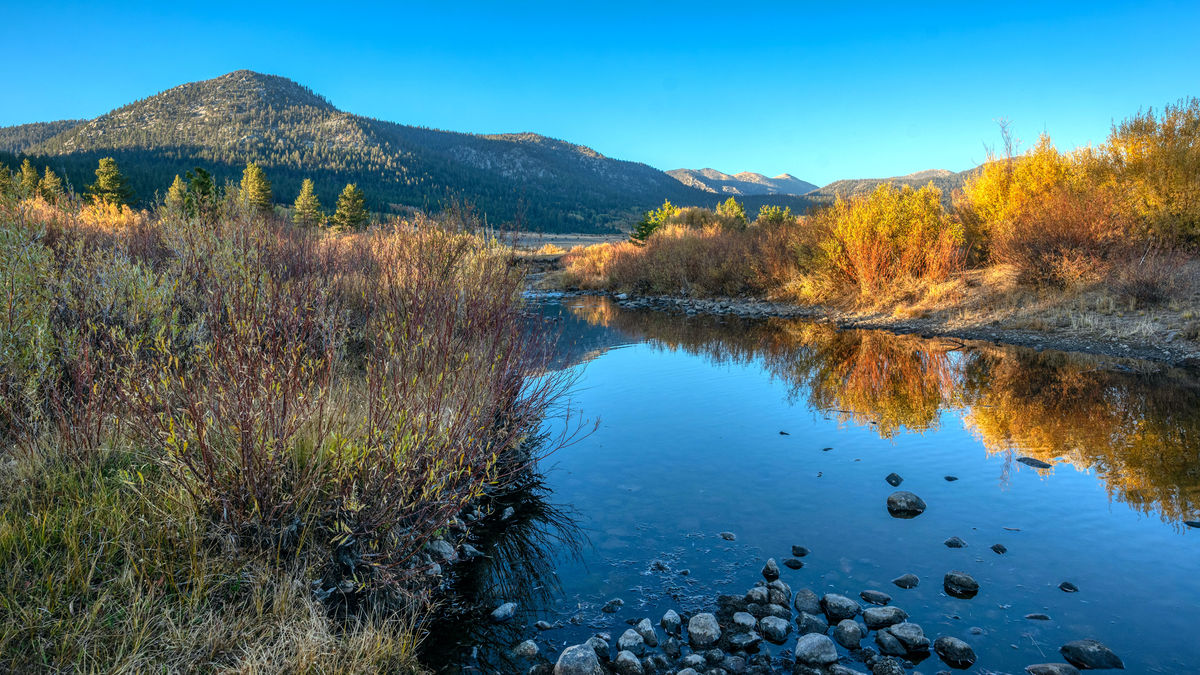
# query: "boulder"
[[504, 612], [893, 479], [703, 630], [646, 630], [671, 622], [906, 581], [954, 652], [875, 597], [775, 629], [838, 607], [812, 623], [911, 636], [1052, 669], [904, 504], [578, 660], [1090, 655], [526, 650], [848, 634], [815, 650], [770, 571], [882, 617], [960, 584], [806, 601], [627, 663]]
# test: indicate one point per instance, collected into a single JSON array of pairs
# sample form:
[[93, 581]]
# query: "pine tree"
[[177, 196], [731, 209], [256, 190], [6, 181], [351, 211], [51, 187], [201, 199], [29, 179], [307, 209], [651, 221], [110, 186]]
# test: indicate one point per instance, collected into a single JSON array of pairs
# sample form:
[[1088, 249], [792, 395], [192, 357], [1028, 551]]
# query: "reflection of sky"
[[688, 448]]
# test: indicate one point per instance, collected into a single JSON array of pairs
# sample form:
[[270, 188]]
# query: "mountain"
[[946, 181], [743, 184], [524, 179]]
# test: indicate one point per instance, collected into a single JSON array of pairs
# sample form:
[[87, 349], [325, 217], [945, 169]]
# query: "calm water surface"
[[689, 445]]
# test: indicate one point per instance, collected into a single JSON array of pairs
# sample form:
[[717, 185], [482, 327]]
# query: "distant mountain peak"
[[745, 183]]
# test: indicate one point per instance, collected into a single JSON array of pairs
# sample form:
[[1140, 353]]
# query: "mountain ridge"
[[745, 183]]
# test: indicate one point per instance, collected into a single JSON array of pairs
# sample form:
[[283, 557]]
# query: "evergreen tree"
[[730, 208], [256, 190], [177, 196], [110, 186], [651, 221], [351, 211], [307, 209], [201, 199], [7, 187], [29, 179], [51, 187]]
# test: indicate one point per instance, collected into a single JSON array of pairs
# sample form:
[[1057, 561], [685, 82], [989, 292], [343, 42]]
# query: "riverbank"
[[1041, 322]]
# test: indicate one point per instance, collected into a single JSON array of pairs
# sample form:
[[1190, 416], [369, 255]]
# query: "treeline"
[[1123, 214]]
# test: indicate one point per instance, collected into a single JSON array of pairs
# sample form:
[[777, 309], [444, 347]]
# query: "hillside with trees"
[[292, 133]]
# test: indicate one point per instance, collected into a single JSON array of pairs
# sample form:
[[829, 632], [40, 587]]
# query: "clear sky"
[[822, 91]]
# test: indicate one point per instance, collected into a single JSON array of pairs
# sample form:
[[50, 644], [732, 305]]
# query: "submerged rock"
[[504, 612], [875, 597], [1090, 655], [954, 652], [1035, 463], [960, 585], [1052, 669], [906, 581], [894, 479], [578, 660], [904, 504]]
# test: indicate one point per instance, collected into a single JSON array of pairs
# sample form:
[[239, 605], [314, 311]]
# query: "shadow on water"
[[518, 566], [1137, 426]]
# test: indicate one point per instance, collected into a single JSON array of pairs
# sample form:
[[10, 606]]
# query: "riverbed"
[[723, 442]]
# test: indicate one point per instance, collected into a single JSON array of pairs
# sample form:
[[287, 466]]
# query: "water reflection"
[[1137, 428]]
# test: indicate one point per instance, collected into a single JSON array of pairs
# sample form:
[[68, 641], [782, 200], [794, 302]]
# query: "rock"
[[904, 504], [672, 648], [599, 645], [799, 551], [1192, 523], [894, 479], [671, 622], [960, 585], [1068, 587], [508, 513], [631, 641], [839, 669], [744, 621], [544, 625], [688, 671], [875, 597], [578, 660], [703, 630], [906, 581], [780, 611], [954, 652], [1000, 549], [1035, 463], [887, 666], [504, 612], [442, 550], [889, 644], [950, 479], [848, 634], [770, 571], [955, 542], [1090, 655], [758, 595], [838, 607], [729, 536], [778, 593], [612, 606], [627, 663], [811, 623], [793, 563], [911, 636], [745, 641], [815, 650], [1038, 617], [806, 601], [646, 630], [882, 617], [1052, 669], [526, 650], [775, 629]]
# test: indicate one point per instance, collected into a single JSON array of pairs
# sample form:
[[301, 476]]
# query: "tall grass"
[[219, 432]]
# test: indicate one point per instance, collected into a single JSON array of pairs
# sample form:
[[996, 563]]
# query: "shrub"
[[893, 235]]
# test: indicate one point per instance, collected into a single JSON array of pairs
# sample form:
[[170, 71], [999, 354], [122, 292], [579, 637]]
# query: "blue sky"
[[819, 91]]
